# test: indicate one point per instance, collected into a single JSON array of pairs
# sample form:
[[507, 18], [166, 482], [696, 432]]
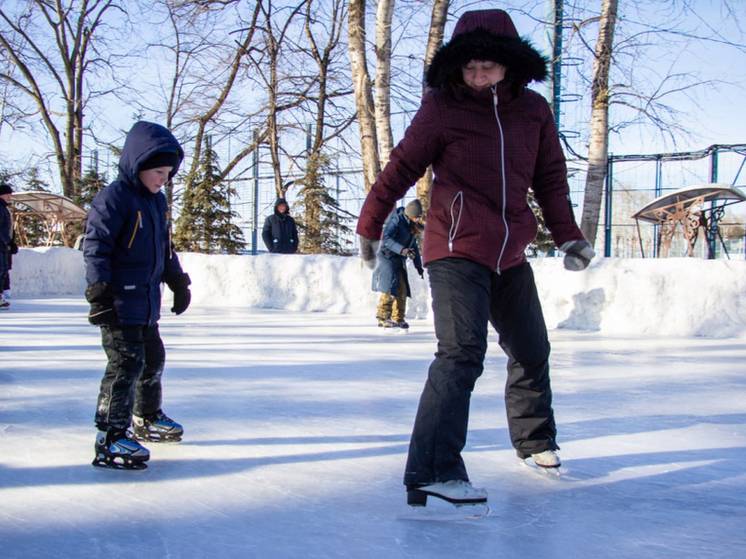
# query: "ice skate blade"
[[446, 513], [153, 438], [551, 472], [418, 498], [113, 464]]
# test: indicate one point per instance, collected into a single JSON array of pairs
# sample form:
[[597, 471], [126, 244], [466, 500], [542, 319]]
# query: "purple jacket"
[[487, 148]]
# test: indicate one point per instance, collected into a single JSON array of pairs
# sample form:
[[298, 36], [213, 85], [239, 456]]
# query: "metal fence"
[[632, 181]]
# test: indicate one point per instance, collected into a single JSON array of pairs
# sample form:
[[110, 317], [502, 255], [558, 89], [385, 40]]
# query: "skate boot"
[[387, 323], [4, 305], [157, 428], [403, 324], [456, 491], [115, 449], [547, 459]]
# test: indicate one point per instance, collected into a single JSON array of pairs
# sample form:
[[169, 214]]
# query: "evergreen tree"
[[543, 243], [206, 220], [88, 186], [31, 229], [322, 221], [86, 189]]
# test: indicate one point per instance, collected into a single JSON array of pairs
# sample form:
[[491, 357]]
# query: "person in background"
[[6, 241], [280, 233], [489, 139], [390, 276], [128, 254]]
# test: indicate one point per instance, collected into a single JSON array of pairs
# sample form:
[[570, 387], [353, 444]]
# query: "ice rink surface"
[[297, 427]]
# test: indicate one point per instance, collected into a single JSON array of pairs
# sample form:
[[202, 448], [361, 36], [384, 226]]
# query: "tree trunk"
[[598, 149], [383, 79], [363, 93], [434, 41]]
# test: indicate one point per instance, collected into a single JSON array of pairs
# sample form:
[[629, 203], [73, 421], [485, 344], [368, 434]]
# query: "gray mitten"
[[578, 254], [368, 251]]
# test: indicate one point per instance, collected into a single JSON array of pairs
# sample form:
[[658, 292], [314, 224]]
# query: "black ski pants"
[[132, 381], [465, 297]]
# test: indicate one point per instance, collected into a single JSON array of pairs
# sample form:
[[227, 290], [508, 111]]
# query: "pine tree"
[[543, 243], [32, 229], [206, 220], [322, 223]]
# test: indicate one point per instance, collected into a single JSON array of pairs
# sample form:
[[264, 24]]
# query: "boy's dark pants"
[[466, 296], [132, 381]]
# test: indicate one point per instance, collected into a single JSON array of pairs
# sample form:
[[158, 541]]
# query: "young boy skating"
[[128, 254]]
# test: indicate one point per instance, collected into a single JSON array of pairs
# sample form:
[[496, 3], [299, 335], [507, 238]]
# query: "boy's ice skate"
[[157, 428], [456, 491], [118, 451], [4, 304], [387, 323], [403, 324]]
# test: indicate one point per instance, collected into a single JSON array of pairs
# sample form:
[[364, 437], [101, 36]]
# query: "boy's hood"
[[144, 140]]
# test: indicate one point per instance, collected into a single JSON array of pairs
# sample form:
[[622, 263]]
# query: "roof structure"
[[56, 211]]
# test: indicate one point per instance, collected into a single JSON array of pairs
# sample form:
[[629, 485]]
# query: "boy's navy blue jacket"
[[127, 242], [397, 235]]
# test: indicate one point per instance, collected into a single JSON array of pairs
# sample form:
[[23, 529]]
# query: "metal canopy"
[[657, 211], [48, 204]]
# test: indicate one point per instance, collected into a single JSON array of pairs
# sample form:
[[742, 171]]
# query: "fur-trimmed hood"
[[486, 35]]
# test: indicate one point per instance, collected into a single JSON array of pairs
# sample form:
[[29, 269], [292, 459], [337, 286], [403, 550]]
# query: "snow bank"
[[670, 297]]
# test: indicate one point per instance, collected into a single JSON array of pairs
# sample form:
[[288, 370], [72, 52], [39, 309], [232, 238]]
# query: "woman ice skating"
[[128, 254], [390, 276], [489, 139]]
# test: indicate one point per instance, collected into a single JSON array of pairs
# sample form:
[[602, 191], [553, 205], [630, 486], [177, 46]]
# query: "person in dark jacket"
[[390, 276], [128, 254], [489, 139], [6, 240], [280, 233]]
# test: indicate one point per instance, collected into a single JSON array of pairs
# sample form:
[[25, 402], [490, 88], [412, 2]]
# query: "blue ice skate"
[[115, 449], [157, 428]]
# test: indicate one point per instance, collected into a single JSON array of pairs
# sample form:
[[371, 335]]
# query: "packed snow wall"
[[668, 297]]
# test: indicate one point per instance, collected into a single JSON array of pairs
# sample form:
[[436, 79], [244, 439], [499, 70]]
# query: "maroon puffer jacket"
[[486, 148]]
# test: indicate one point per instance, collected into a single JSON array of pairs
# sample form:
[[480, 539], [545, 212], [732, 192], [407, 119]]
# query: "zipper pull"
[[494, 95]]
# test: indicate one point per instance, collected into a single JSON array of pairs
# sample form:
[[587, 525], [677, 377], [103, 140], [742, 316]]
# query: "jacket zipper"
[[502, 173], [138, 225], [455, 222]]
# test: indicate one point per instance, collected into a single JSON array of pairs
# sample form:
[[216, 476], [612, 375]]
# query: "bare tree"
[[598, 148], [438, 19], [53, 49], [626, 93], [384, 13], [321, 221], [363, 93]]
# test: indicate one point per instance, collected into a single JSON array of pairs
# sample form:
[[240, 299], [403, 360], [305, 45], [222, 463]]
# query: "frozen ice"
[[297, 424]]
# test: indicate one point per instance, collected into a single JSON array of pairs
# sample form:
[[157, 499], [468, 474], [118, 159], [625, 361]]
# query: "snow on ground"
[[670, 297], [297, 426]]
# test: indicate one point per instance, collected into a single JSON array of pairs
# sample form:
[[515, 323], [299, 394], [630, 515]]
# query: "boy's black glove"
[[182, 296], [101, 298]]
